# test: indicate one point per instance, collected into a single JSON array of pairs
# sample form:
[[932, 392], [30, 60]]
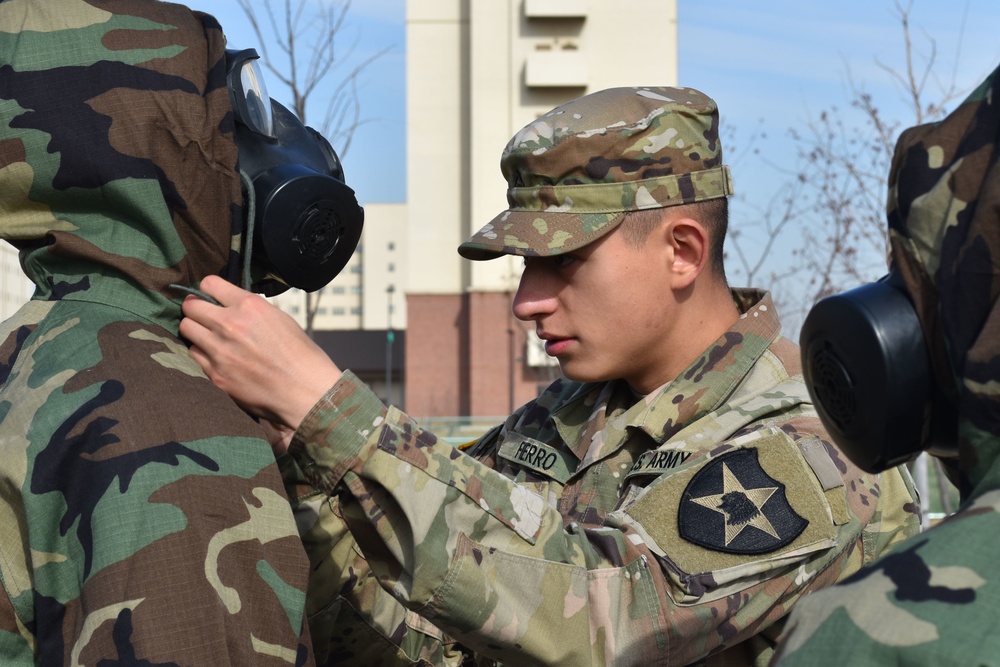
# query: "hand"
[[278, 436], [256, 353]]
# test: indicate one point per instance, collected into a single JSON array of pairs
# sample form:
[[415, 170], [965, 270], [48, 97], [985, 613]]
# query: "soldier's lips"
[[556, 346]]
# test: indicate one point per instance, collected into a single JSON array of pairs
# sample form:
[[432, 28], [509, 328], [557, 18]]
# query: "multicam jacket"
[[142, 519], [935, 599], [598, 528]]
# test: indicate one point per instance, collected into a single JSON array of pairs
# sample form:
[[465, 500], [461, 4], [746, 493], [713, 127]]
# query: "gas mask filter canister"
[[867, 368]]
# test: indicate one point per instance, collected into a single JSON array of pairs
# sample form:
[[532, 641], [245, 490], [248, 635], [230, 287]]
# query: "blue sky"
[[375, 164], [775, 64]]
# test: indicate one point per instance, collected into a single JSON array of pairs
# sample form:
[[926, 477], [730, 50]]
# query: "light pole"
[[389, 338]]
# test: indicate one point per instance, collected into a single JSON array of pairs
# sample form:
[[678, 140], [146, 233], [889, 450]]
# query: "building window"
[[356, 268], [339, 289], [356, 310], [392, 267], [356, 289], [338, 311]]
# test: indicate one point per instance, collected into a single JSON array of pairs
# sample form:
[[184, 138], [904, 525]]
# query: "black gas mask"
[[303, 221], [867, 367]]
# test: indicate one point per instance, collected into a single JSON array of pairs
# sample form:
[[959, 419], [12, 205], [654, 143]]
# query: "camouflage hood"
[[117, 159], [944, 227]]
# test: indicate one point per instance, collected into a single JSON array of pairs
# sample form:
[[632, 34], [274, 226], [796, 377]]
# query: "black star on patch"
[[732, 505]]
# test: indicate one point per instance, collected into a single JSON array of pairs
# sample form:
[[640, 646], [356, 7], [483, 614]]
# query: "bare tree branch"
[[824, 228]]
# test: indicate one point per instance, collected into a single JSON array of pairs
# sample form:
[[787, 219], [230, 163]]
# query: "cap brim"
[[537, 233]]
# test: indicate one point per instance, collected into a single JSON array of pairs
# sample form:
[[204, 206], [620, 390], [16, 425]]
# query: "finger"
[[195, 333], [278, 435], [212, 370], [197, 311], [222, 290], [201, 358]]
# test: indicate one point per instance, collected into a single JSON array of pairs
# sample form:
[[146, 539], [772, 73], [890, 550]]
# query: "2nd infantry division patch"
[[732, 505]]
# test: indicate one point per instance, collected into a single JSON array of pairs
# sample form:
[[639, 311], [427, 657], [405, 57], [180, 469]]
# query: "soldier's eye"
[[562, 261]]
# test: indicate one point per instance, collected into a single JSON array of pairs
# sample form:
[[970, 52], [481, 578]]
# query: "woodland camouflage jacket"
[[592, 528], [935, 600], [141, 520]]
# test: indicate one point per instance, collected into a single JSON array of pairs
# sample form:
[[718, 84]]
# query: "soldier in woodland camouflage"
[[143, 521], [934, 600], [666, 503]]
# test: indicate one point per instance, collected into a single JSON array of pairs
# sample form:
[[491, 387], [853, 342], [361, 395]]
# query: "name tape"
[[538, 456]]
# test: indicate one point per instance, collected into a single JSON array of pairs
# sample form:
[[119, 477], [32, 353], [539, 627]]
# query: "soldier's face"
[[604, 311]]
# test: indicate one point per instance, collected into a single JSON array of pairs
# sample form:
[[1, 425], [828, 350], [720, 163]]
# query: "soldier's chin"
[[578, 373]]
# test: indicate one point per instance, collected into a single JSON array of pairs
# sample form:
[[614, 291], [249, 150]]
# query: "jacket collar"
[[597, 422]]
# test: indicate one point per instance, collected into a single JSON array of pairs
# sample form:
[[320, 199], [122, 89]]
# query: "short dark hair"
[[712, 213]]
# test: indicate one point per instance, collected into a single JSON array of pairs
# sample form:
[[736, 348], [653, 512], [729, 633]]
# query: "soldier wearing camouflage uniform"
[[934, 601], [143, 520], [666, 504]]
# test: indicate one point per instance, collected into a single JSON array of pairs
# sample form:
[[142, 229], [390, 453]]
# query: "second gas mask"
[[306, 221], [867, 367]]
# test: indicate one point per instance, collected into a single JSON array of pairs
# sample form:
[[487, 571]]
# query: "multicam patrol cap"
[[574, 173]]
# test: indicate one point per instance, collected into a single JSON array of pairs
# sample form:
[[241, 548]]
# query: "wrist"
[[307, 393]]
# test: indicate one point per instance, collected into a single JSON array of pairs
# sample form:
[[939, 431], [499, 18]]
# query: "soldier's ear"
[[688, 250]]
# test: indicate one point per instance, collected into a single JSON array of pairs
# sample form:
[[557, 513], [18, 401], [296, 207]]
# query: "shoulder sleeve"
[[351, 617], [493, 563], [730, 518]]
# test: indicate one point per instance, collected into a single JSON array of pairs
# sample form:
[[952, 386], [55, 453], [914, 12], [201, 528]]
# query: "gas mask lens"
[[248, 92]]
